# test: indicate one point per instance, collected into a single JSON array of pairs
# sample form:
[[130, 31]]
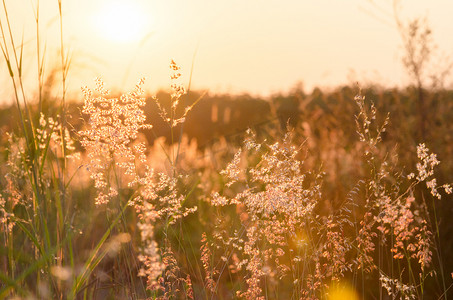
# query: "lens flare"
[[342, 291]]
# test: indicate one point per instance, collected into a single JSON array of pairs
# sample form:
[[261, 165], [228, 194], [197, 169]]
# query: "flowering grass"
[[258, 228], [99, 213]]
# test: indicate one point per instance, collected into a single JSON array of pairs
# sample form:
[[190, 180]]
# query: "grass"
[[331, 208]]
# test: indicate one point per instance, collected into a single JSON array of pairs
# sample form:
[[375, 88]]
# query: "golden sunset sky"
[[255, 46]]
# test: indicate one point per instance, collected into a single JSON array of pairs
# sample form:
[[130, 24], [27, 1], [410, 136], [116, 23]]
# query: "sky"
[[259, 47]]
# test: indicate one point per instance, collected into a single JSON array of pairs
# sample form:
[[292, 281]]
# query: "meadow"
[[334, 194]]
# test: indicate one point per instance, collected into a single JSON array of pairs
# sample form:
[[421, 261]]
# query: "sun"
[[122, 21]]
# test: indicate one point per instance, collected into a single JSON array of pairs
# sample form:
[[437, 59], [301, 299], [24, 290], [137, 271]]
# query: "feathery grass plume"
[[396, 289], [172, 283], [54, 138], [16, 196], [284, 234], [149, 257], [18, 190], [8, 201], [425, 168], [206, 256], [159, 200], [160, 194], [114, 123], [365, 243], [278, 202], [335, 250], [394, 223], [112, 147], [177, 91]]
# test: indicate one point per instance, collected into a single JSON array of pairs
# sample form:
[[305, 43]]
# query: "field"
[[333, 194]]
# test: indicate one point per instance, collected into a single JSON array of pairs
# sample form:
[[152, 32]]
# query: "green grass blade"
[[94, 259]]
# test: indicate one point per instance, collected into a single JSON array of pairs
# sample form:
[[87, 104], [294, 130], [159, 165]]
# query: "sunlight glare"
[[342, 291], [122, 21]]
